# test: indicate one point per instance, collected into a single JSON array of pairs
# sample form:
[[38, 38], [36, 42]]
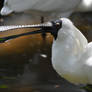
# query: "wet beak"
[[49, 27], [46, 27]]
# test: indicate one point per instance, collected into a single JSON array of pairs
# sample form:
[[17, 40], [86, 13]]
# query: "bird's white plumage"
[[59, 7], [62, 7], [6, 9], [72, 54]]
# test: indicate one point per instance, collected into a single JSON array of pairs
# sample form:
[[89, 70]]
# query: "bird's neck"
[[67, 49], [65, 54]]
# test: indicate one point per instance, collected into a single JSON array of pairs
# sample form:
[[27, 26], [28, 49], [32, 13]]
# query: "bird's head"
[[56, 28]]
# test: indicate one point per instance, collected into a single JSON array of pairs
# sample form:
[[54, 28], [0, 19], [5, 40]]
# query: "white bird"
[[54, 7], [71, 52], [62, 8]]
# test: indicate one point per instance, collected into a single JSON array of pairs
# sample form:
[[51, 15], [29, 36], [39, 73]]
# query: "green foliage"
[[88, 88], [3, 86]]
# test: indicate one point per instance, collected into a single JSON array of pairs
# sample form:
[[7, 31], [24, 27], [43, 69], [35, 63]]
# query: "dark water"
[[25, 62]]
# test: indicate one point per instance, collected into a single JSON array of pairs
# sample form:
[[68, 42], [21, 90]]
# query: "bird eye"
[[59, 24]]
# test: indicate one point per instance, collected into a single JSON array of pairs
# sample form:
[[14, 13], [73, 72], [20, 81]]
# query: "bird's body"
[[63, 8], [58, 7], [72, 55]]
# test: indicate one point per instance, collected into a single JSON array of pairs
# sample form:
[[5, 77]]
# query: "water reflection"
[[25, 62]]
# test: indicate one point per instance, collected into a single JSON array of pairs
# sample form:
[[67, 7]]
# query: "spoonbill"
[[61, 8], [71, 52]]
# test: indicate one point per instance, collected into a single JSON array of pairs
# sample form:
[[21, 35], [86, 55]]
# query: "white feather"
[[72, 54], [60, 7]]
